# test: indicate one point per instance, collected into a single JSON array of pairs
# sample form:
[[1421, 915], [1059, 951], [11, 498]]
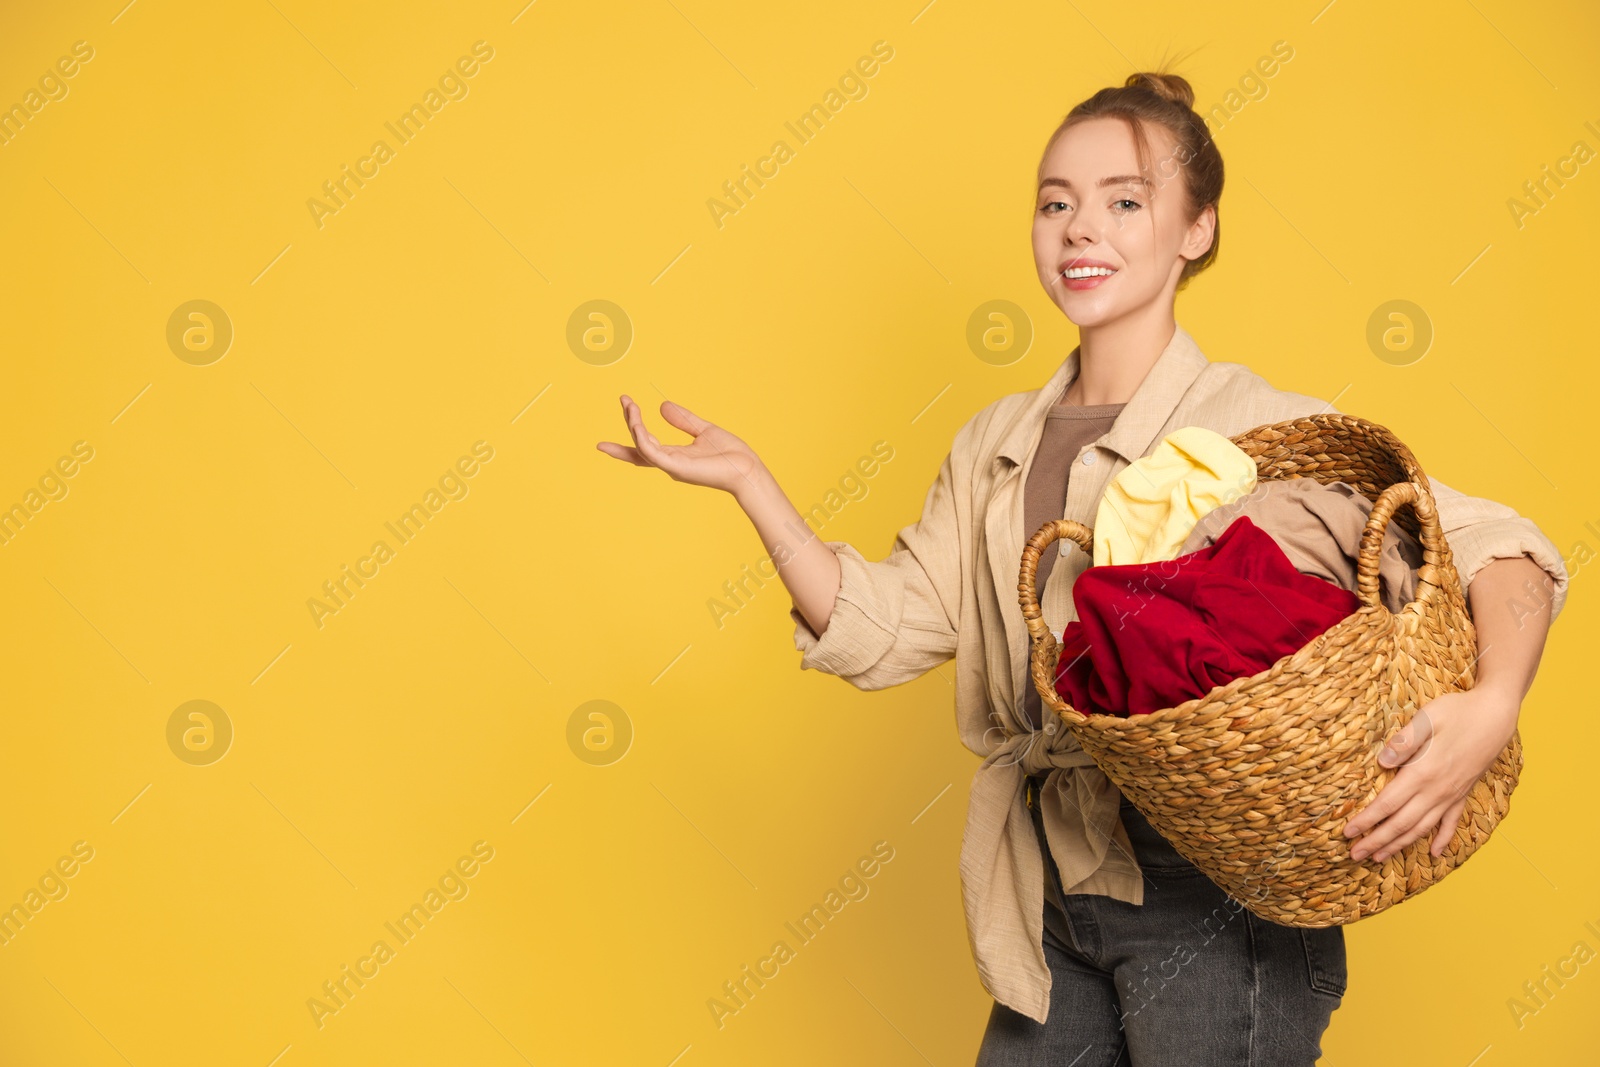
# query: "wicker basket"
[[1254, 782]]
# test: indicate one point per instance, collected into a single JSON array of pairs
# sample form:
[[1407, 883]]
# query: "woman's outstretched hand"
[[715, 458], [718, 459]]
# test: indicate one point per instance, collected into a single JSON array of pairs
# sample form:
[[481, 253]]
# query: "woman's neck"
[[1115, 358]]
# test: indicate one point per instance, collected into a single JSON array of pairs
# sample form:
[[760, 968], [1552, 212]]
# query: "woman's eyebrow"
[[1115, 179]]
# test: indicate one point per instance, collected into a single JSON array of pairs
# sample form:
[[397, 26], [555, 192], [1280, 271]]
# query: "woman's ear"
[[1197, 242]]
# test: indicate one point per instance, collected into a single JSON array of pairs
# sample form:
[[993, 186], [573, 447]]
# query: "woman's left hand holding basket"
[[1454, 738], [1442, 753]]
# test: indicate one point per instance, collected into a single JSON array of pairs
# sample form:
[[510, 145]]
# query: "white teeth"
[[1088, 272]]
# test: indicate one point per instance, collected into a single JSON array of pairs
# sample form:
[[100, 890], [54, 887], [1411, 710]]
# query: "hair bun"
[[1167, 86]]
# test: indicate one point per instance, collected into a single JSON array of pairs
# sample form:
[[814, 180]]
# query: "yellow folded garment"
[[1152, 505]]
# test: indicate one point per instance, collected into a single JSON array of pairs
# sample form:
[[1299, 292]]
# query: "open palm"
[[715, 458]]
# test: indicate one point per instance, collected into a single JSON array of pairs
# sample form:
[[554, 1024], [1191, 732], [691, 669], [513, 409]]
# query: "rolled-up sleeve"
[[1480, 531], [896, 618]]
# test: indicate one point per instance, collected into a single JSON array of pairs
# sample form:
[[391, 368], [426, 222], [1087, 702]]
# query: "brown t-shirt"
[[1067, 429]]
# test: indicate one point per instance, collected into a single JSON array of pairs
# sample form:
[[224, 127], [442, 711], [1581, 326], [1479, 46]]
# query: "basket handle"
[[1038, 630], [1435, 549]]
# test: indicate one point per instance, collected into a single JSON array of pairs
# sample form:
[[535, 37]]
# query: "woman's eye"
[[1135, 204], [1051, 204]]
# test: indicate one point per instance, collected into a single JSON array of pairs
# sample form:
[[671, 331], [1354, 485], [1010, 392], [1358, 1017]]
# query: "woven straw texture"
[[1254, 781]]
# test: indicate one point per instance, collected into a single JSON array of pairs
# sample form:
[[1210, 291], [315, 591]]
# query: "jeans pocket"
[[1325, 959]]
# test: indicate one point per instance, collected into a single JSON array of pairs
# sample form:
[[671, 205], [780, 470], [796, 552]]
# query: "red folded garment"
[[1150, 636]]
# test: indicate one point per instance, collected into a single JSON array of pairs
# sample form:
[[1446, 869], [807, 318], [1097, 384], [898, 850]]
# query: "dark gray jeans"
[[1189, 977]]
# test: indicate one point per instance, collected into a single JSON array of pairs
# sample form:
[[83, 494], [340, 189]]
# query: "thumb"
[[1405, 742], [683, 418]]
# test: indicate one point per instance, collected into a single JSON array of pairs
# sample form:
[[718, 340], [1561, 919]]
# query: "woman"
[[1115, 949]]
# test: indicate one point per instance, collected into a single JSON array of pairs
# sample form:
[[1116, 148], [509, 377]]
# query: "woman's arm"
[[718, 459], [874, 623], [896, 618], [808, 567], [1510, 603]]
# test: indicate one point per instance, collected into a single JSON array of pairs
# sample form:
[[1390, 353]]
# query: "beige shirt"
[[948, 588]]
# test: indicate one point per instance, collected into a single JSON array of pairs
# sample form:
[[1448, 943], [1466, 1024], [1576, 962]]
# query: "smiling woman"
[[1072, 898], [1109, 240]]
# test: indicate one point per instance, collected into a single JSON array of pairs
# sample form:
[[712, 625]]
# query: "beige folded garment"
[[1319, 528]]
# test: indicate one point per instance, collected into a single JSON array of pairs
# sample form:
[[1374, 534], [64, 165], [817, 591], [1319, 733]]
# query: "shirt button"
[[1088, 458], [1049, 727]]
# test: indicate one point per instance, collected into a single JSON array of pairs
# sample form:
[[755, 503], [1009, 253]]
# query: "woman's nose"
[[1080, 228]]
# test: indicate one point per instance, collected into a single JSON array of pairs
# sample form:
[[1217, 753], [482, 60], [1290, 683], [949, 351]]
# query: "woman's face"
[[1093, 205]]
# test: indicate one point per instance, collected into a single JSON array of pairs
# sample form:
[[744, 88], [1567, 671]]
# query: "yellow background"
[[828, 314]]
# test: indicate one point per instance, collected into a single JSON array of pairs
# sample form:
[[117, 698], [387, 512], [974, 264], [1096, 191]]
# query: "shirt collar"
[[1136, 426]]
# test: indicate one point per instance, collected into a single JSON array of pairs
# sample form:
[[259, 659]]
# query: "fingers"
[[1387, 801], [1391, 800], [611, 448], [1447, 827], [644, 441], [1395, 833], [635, 420]]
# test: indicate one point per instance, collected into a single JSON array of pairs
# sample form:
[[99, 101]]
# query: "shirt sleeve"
[[896, 618], [1480, 531]]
